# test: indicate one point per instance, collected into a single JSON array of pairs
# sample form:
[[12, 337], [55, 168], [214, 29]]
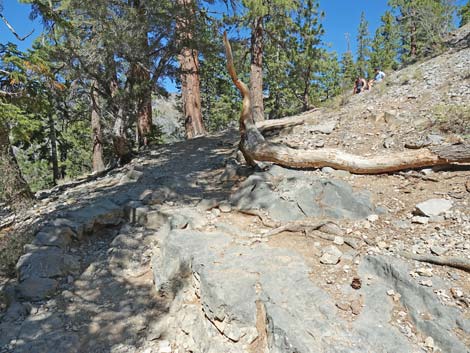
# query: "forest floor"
[[108, 302]]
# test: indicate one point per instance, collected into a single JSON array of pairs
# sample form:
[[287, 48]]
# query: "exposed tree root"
[[450, 261], [297, 226], [352, 242], [255, 148], [265, 220], [310, 227]]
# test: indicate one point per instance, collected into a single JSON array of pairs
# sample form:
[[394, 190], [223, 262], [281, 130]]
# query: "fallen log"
[[275, 124], [255, 148], [450, 261]]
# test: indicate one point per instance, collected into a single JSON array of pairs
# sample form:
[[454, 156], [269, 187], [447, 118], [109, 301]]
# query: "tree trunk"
[[13, 187], [142, 80], [121, 144], [53, 141], [306, 93], [190, 77], [190, 92], [256, 76], [255, 148], [98, 164], [413, 39]]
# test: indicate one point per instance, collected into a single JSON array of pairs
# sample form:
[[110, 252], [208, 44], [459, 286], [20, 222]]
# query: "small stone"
[[438, 250], [433, 207], [225, 207], [427, 171], [331, 255], [216, 212], [382, 245], [390, 292], [429, 342], [338, 240], [420, 220], [388, 142], [373, 218], [424, 272], [426, 283]]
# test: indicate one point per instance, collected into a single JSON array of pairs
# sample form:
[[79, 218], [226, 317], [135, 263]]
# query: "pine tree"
[[306, 53], [258, 12], [385, 45], [422, 25], [363, 47], [464, 14], [190, 70], [329, 80], [348, 68]]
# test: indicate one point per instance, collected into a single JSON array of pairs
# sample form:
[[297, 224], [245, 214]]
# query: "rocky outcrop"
[[289, 195], [230, 298]]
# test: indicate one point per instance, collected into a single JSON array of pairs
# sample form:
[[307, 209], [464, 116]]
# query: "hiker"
[[378, 77], [360, 85]]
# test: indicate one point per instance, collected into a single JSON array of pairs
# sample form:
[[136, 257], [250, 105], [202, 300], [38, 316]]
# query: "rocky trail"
[[188, 250]]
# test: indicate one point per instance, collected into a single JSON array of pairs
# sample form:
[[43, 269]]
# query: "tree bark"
[[141, 86], [190, 77], [255, 148], [53, 142], [13, 187], [97, 136], [121, 144], [141, 80], [256, 76]]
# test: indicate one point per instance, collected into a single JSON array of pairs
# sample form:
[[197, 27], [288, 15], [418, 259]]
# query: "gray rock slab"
[[46, 263], [100, 213], [230, 280], [431, 317], [59, 237], [433, 207], [46, 333], [36, 288], [291, 195]]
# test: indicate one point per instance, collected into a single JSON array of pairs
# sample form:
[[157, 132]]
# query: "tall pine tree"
[[363, 47], [385, 44], [422, 25], [464, 14]]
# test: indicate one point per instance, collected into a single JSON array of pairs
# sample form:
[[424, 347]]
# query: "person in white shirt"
[[378, 77]]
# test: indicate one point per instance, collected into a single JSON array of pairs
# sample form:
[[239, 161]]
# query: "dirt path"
[[112, 305]]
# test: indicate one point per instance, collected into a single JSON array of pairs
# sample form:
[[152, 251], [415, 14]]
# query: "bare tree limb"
[[12, 30], [450, 261]]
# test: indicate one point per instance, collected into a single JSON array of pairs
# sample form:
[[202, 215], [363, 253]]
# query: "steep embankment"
[[186, 250]]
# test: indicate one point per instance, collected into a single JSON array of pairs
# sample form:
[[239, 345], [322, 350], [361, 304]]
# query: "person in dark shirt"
[[360, 85]]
